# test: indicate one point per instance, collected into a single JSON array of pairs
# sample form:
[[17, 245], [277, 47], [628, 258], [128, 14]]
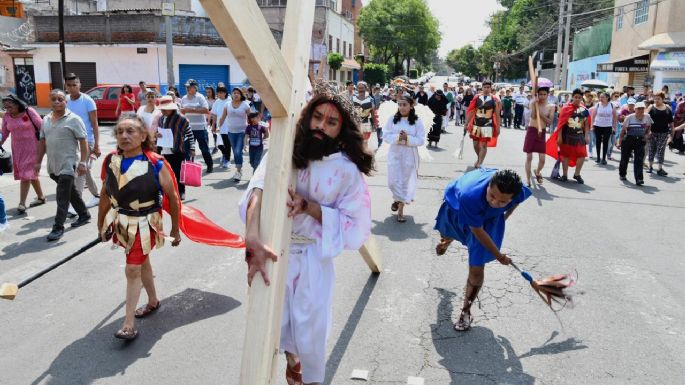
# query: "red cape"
[[552, 148], [495, 124], [192, 222]]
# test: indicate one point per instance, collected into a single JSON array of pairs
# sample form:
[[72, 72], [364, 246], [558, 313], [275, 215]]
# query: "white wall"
[[196, 7], [121, 63]]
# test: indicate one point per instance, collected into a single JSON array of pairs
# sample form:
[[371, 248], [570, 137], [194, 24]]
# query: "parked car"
[[106, 98]]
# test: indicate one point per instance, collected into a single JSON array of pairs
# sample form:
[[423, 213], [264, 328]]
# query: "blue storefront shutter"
[[207, 75]]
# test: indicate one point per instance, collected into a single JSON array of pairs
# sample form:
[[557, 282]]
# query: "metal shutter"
[[639, 81], [207, 75], [85, 71]]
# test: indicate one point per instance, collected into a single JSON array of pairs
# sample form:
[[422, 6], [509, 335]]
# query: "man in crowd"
[[521, 100], [195, 108], [350, 89], [507, 108], [421, 96], [143, 90], [62, 138], [84, 107]]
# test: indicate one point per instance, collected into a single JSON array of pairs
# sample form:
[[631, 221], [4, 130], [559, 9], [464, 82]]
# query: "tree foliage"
[[335, 60], [398, 31], [376, 73], [522, 27]]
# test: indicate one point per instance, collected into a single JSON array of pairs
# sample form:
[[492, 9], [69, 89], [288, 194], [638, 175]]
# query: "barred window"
[[619, 19], [641, 12]]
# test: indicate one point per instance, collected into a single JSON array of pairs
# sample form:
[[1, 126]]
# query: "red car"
[[106, 99]]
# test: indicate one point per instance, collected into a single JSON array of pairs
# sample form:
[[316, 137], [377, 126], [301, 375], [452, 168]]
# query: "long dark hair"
[[242, 95], [126, 89], [213, 92], [412, 112], [350, 139]]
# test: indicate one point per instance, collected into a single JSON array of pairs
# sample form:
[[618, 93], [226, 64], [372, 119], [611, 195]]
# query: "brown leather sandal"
[[441, 248], [395, 206], [146, 310], [128, 334], [293, 374], [464, 322]]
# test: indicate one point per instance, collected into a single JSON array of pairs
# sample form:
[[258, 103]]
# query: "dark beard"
[[311, 148]]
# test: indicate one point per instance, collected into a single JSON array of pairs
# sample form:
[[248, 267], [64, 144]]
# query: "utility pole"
[[168, 12], [62, 54], [557, 61], [564, 72]]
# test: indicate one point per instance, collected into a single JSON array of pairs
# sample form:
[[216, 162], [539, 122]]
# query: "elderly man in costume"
[[330, 207], [475, 209], [482, 122]]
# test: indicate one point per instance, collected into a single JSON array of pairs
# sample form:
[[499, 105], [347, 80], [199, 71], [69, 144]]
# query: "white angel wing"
[[386, 110], [425, 114]]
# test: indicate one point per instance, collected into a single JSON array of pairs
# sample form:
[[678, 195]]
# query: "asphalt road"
[[626, 327]]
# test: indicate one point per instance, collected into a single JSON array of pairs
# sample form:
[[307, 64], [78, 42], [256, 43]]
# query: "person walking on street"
[[221, 130], [569, 139], [235, 115], [634, 135], [520, 100], [482, 122], [421, 96], [210, 95], [661, 131], [604, 120], [195, 108], [127, 100], [83, 105], [142, 91], [255, 134], [536, 132], [149, 112], [507, 108], [404, 132], [465, 103], [438, 104], [62, 138], [23, 124], [183, 144]]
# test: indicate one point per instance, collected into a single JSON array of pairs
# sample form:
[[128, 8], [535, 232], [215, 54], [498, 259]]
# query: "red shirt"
[[125, 104]]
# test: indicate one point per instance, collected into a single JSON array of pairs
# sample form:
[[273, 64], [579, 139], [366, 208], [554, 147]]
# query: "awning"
[[633, 64], [669, 61], [351, 64], [668, 40]]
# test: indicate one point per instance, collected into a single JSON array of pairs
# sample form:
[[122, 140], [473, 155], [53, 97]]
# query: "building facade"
[[648, 39]]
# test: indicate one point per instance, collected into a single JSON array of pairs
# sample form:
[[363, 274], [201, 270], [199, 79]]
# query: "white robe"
[[403, 159], [338, 186]]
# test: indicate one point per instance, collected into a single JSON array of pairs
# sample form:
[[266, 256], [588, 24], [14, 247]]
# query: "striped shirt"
[[635, 126]]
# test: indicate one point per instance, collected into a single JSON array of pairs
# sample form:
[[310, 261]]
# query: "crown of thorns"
[[323, 88]]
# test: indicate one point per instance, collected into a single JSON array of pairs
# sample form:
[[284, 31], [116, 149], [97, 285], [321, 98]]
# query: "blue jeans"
[[3, 214], [255, 156], [237, 142], [203, 142]]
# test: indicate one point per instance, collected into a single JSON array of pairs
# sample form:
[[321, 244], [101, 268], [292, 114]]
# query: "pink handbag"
[[191, 174]]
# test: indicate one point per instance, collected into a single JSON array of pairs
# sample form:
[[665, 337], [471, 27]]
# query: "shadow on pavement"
[[348, 331], [396, 231], [29, 246], [555, 347], [475, 356], [99, 355]]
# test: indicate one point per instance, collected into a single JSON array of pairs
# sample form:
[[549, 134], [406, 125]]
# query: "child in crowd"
[[255, 134]]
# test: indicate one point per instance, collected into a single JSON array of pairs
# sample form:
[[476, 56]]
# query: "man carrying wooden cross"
[[331, 211]]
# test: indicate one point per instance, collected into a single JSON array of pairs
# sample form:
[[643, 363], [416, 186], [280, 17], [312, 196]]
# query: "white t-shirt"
[[217, 111], [149, 117], [236, 118], [197, 121], [604, 115]]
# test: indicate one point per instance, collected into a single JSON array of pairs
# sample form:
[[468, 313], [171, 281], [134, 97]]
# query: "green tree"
[[398, 31], [376, 73], [464, 60], [335, 60]]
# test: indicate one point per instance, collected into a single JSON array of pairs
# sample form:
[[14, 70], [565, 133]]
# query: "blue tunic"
[[466, 206]]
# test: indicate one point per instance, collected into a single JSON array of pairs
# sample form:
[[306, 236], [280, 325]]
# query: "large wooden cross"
[[281, 76]]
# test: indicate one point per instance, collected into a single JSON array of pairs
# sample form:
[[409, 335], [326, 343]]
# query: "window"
[[330, 43], [113, 93], [350, 46], [344, 48], [97, 93], [619, 19], [641, 12], [337, 46]]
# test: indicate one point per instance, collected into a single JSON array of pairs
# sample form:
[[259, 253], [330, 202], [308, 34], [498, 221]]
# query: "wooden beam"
[[371, 254], [247, 35]]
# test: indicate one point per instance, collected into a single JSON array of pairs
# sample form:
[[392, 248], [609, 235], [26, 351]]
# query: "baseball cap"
[[640, 105], [631, 101], [191, 82]]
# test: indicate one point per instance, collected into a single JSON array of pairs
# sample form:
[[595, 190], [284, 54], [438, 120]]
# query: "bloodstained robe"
[[339, 188]]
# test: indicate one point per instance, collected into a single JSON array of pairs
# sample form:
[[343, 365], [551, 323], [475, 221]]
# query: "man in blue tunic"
[[474, 211]]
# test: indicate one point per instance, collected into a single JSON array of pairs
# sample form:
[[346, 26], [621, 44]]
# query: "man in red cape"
[[482, 122], [570, 137]]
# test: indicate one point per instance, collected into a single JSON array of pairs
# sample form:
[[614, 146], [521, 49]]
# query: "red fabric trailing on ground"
[[552, 148], [192, 222], [495, 126]]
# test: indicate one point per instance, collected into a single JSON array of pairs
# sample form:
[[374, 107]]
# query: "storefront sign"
[[635, 64]]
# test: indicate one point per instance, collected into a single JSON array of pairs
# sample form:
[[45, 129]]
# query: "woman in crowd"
[[438, 104], [662, 129], [149, 112], [210, 95], [127, 101], [23, 124], [221, 130], [183, 139], [616, 103], [235, 115], [132, 212], [604, 119], [404, 132], [465, 103]]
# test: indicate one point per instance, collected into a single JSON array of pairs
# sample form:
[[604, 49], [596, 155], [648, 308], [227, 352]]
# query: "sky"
[[462, 22]]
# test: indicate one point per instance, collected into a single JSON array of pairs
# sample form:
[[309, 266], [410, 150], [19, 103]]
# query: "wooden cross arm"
[[249, 38]]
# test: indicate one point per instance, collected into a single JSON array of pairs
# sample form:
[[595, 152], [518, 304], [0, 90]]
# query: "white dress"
[[403, 158], [338, 186]]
